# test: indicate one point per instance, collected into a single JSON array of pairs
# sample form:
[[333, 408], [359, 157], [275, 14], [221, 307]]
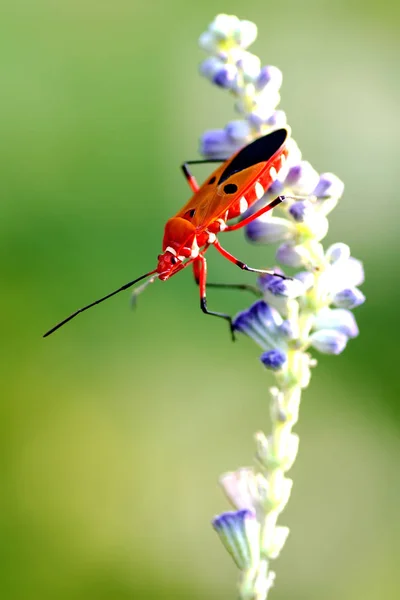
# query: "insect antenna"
[[121, 289]]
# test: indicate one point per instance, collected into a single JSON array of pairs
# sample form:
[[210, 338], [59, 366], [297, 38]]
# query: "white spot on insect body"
[[211, 238], [259, 190], [243, 205], [169, 249], [222, 224], [195, 249], [273, 173]]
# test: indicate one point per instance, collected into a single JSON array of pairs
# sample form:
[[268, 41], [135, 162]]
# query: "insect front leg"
[[200, 275]]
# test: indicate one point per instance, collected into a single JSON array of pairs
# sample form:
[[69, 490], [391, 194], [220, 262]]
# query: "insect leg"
[[200, 274], [237, 286], [191, 178], [243, 265], [257, 214], [228, 286]]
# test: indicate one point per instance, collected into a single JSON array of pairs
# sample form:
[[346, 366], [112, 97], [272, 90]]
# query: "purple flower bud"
[[269, 75], [210, 66], [208, 42], [286, 330], [328, 186], [277, 119], [260, 316], [328, 341], [340, 319], [279, 292], [215, 143], [273, 359], [337, 252], [291, 255], [302, 178], [268, 230], [226, 76], [265, 314], [300, 210], [255, 121], [272, 118], [349, 298], [274, 284], [238, 131], [279, 286]]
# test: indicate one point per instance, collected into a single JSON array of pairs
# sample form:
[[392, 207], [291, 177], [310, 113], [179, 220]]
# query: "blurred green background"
[[115, 429]]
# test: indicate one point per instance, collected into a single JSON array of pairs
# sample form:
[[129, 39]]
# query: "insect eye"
[[173, 260], [230, 188], [212, 180], [189, 214]]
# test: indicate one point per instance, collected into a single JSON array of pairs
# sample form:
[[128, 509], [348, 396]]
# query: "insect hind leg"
[[253, 289], [203, 306], [200, 275]]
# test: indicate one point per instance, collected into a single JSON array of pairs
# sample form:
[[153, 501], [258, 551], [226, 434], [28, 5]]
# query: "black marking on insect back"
[[261, 150], [212, 180], [230, 188]]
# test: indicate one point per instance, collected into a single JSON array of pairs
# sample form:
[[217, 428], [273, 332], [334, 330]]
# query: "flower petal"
[[216, 143], [345, 274], [328, 186], [281, 286], [292, 255], [349, 298], [328, 341], [302, 178], [268, 230], [340, 319], [240, 488]]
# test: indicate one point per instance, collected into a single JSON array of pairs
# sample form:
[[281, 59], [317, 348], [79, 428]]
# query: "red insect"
[[227, 194]]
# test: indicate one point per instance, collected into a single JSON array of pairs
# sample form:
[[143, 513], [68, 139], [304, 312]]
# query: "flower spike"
[[310, 312]]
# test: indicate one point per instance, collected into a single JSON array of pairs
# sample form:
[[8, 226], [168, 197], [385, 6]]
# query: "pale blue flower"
[[263, 324], [348, 298], [328, 341], [278, 291], [239, 531], [269, 230], [340, 319]]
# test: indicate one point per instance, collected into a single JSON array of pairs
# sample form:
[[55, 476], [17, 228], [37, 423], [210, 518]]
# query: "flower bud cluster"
[[255, 87]]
